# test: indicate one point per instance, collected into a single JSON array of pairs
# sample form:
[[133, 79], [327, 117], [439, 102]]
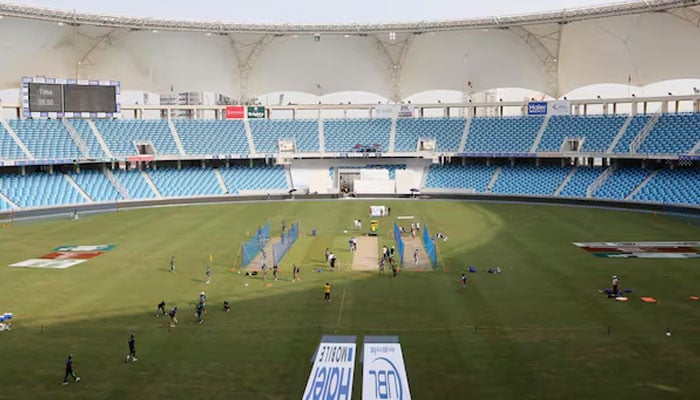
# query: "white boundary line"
[[340, 312]]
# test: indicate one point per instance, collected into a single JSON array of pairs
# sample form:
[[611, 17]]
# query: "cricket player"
[[295, 273], [464, 282], [615, 284], [275, 269], [327, 292], [416, 257], [207, 271], [69, 370], [161, 308], [132, 349], [172, 264], [173, 317]]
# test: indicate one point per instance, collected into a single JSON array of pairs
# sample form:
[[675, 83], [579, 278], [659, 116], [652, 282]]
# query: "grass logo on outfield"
[[63, 257], [642, 249]]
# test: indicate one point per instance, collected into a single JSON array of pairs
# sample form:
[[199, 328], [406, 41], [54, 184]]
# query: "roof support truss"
[[247, 54], [394, 52], [548, 55]]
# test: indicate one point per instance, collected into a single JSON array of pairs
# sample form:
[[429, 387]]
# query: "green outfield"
[[538, 330]]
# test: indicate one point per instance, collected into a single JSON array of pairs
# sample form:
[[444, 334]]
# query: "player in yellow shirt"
[[327, 292]]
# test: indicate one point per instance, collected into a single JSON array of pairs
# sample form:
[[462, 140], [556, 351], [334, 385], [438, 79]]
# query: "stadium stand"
[[134, 184], [447, 133], [674, 186], [4, 206], [46, 138], [530, 179], [580, 181], [254, 178], [96, 185], [598, 131], [185, 182], [502, 135], [205, 137], [120, 135], [474, 176], [267, 133], [636, 125], [85, 132], [8, 146], [345, 134], [621, 183], [39, 190], [673, 134]]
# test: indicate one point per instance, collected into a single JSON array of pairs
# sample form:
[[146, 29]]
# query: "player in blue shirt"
[[132, 349], [69, 370]]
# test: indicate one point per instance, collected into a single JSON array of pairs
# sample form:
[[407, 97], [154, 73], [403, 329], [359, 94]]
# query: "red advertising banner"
[[235, 112]]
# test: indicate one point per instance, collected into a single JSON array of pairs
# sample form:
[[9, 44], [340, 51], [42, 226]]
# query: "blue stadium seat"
[[135, 184], [239, 178], [39, 190], [267, 133], [579, 183], [673, 134], [621, 183], [502, 134], [120, 135], [474, 176], [46, 138], [530, 179], [598, 131], [345, 135], [447, 133], [636, 125], [206, 137], [96, 185], [8, 147], [672, 186], [85, 132], [185, 182]]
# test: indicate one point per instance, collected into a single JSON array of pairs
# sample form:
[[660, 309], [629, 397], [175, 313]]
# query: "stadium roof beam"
[[687, 14], [98, 43], [560, 16], [395, 53], [247, 54], [549, 58]]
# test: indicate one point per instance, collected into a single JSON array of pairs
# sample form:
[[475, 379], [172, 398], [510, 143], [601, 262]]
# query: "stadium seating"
[[135, 185], [580, 181], [85, 132], [267, 133], [8, 146], [120, 135], [39, 190], [530, 179], [346, 135], [674, 186], [96, 185], [598, 131], [254, 178], [673, 134], [502, 135], [447, 133], [205, 137], [621, 183], [636, 125], [476, 176], [185, 182], [46, 138], [4, 206]]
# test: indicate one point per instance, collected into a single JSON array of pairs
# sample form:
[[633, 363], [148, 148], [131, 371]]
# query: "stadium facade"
[[638, 150]]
